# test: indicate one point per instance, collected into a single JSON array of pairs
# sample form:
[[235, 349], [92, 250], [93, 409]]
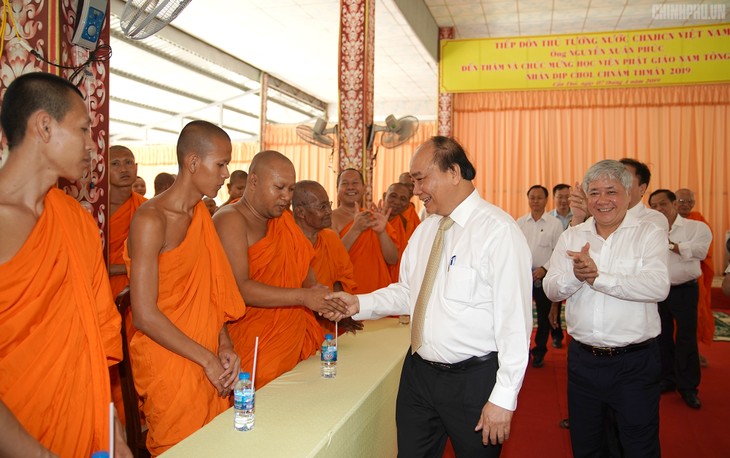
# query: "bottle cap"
[[244, 376], [328, 336]]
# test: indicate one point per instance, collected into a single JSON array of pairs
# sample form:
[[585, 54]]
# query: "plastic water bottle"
[[329, 357], [243, 403]]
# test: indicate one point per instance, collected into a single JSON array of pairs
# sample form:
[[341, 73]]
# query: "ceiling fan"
[[319, 135], [142, 18], [395, 132]]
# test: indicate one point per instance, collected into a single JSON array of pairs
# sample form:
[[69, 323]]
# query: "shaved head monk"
[[59, 328], [163, 181], [366, 234], [410, 213], [312, 211], [123, 202], [139, 186], [236, 185], [271, 262], [183, 293], [397, 200]]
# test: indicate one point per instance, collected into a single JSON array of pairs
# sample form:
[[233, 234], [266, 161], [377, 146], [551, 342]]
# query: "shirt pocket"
[[460, 284]]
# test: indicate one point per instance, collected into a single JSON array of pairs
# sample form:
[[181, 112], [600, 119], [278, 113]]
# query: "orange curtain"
[[319, 164], [518, 139]]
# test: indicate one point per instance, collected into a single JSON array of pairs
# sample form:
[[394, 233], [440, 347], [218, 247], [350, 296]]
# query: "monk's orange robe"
[[411, 216], [331, 263], [399, 224], [118, 232], [59, 331], [371, 270], [286, 335], [198, 293], [705, 320]]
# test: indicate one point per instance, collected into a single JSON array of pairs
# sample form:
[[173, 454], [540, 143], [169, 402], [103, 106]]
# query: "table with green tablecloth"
[[301, 414]]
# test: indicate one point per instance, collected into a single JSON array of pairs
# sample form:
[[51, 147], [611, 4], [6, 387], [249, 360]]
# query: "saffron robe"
[[371, 270], [59, 331], [118, 232], [331, 263], [399, 224], [287, 334], [198, 294], [411, 216], [705, 319]]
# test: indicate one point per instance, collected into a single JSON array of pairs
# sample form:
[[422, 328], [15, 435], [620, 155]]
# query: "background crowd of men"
[[277, 263]]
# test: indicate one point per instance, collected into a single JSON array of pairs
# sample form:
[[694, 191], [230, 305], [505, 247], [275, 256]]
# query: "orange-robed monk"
[[123, 202], [410, 213], [312, 212], [397, 201], [271, 262], [59, 329], [183, 293], [368, 237]]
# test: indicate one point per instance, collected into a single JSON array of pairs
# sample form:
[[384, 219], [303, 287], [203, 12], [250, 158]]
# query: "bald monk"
[[705, 319], [366, 234], [183, 293], [210, 205], [163, 181], [139, 186], [236, 185], [59, 328], [410, 213], [271, 262], [397, 200], [123, 202], [312, 212]]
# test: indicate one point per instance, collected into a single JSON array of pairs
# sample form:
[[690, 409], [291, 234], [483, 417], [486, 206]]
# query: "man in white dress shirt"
[[465, 372], [688, 244], [612, 270], [542, 232], [562, 210]]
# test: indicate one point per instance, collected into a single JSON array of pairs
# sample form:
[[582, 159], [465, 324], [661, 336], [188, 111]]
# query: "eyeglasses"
[[321, 207]]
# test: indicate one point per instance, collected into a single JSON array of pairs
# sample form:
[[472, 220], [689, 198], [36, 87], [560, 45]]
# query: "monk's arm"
[[233, 233], [146, 238], [360, 225], [15, 440], [117, 269], [387, 245], [229, 358]]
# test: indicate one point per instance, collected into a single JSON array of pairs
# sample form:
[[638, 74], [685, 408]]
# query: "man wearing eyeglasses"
[[705, 320]]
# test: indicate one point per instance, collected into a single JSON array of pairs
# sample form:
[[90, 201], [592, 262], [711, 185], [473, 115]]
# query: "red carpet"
[[683, 432]]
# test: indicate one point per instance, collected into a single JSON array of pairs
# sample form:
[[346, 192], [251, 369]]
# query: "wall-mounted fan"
[[142, 18], [395, 131], [319, 135]]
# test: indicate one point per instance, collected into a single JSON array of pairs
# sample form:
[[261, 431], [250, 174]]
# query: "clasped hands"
[[584, 268], [375, 218]]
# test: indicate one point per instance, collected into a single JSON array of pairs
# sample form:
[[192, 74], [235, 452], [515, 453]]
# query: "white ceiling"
[[296, 41]]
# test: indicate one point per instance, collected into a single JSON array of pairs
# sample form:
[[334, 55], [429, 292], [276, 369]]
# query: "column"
[[356, 56], [446, 100]]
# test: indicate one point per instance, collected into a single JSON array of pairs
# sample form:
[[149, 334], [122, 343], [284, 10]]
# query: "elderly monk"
[[123, 202], [271, 262], [183, 293], [397, 201], [312, 211], [236, 185], [366, 234], [410, 213], [59, 329], [705, 320]]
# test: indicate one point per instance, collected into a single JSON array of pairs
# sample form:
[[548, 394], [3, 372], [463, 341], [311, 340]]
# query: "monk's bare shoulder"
[[16, 224], [148, 228]]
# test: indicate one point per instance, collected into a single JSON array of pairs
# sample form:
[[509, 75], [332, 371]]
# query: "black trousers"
[[628, 384], [680, 355], [435, 403], [543, 304]]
